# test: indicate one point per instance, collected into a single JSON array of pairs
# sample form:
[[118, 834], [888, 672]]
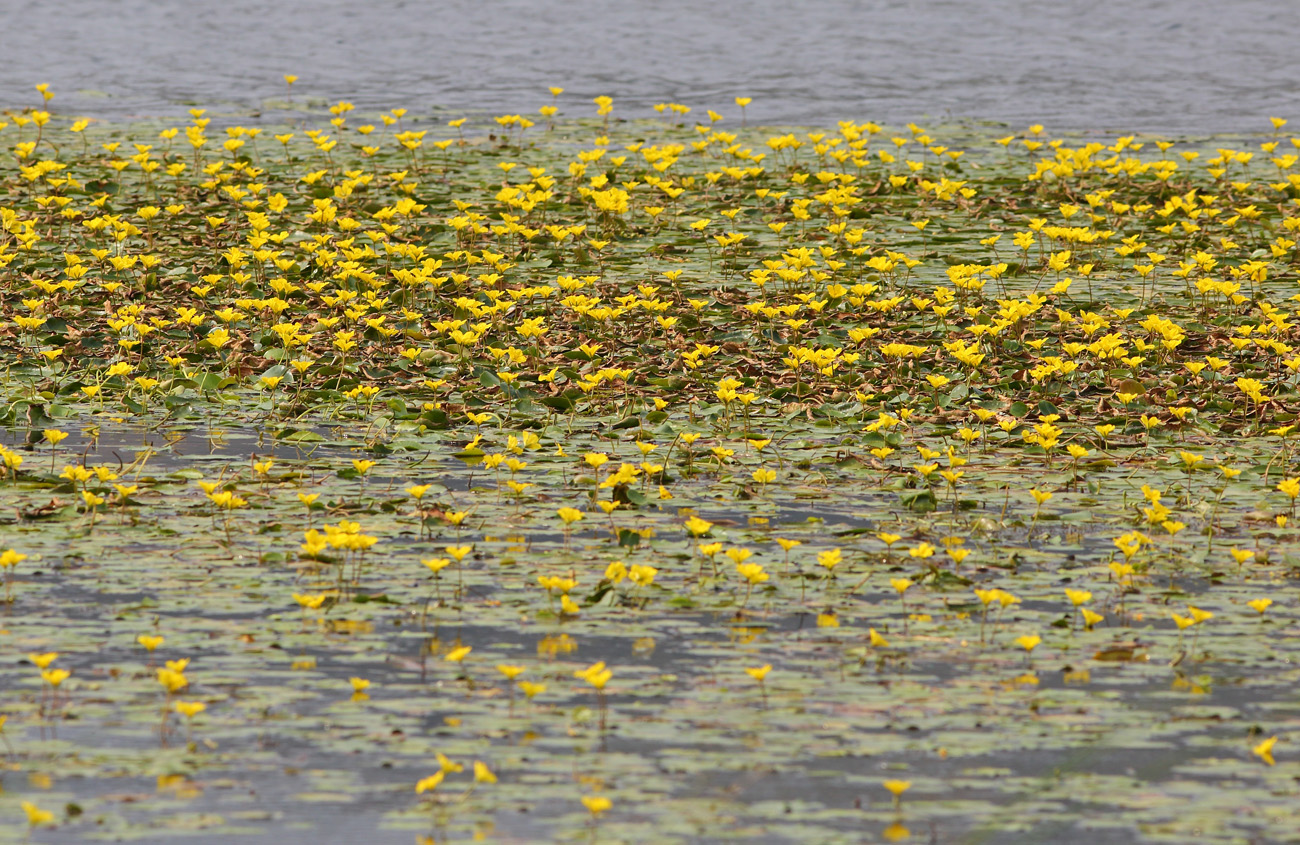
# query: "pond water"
[[330, 677], [1149, 65]]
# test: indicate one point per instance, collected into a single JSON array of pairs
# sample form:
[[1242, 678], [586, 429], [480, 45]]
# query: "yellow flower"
[[54, 677], [190, 709], [10, 558], [482, 774], [36, 816], [897, 787], [1029, 641], [738, 554], [1264, 750], [759, 673], [569, 515], [642, 575], [430, 783], [596, 804], [1078, 597], [172, 680], [456, 655], [698, 527], [1241, 555], [149, 642]]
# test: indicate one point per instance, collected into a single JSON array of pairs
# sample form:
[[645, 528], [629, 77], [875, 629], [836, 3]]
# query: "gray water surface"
[[1179, 66]]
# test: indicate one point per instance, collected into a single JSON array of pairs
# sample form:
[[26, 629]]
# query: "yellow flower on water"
[[482, 774], [698, 527], [1078, 597], [172, 680], [359, 684], [54, 677], [190, 709], [569, 515], [1264, 750], [43, 661], [430, 783], [877, 641], [1259, 605], [896, 787], [596, 804], [36, 816], [149, 641], [1029, 641], [10, 558], [596, 674], [901, 584], [456, 655], [758, 673], [738, 554]]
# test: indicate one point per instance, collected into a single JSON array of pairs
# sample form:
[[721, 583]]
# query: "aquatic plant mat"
[[674, 481]]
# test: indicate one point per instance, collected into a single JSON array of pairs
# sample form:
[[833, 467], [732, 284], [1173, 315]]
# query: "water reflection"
[[1168, 65]]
